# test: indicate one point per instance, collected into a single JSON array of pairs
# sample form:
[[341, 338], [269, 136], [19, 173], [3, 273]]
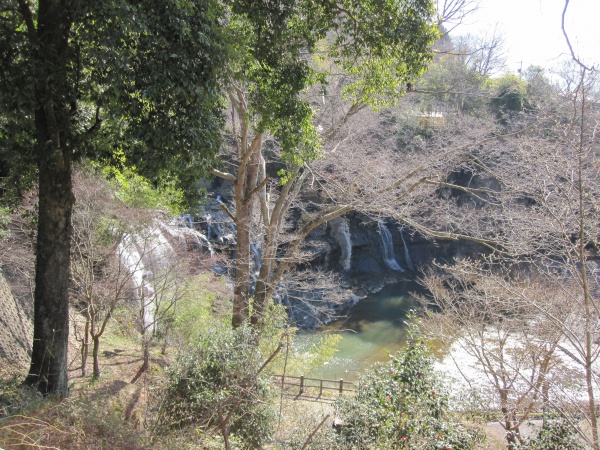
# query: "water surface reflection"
[[374, 327]]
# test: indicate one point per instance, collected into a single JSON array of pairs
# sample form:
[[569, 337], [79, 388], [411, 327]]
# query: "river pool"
[[372, 328]]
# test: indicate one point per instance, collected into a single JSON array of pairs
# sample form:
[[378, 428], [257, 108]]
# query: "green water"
[[374, 327]]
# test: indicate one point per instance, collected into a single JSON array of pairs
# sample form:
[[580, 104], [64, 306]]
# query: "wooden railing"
[[312, 388]]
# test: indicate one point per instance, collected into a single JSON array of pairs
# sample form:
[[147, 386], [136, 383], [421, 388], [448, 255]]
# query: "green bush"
[[510, 96], [216, 377], [399, 405], [136, 191], [556, 434]]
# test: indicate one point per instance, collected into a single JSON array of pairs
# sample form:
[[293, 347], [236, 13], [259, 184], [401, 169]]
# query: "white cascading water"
[[208, 226], [346, 244], [407, 257], [257, 257], [184, 232], [387, 247], [143, 252], [137, 254]]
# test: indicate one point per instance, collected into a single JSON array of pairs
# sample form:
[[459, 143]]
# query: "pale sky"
[[532, 30]]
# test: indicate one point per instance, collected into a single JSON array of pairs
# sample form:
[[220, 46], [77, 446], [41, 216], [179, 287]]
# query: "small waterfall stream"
[[137, 254], [148, 250], [347, 249], [407, 257], [341, 233], [208, 226], [387, 247], [257, 256]]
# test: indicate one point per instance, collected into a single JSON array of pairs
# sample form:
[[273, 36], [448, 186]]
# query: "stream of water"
[[374, 327]]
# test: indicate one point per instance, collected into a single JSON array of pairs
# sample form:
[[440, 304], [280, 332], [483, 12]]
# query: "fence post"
[[341, 386], [321, 388], [301, 384]]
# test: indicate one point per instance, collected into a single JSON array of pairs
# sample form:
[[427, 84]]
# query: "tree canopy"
[[100, 80], [375, 49]]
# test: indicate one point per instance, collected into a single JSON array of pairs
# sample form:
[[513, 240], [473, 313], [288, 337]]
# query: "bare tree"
[[452, 13], [157, 269], [564, 187], [491, 319], [99, 280], [544, 219], [121, 258], [485, 54]]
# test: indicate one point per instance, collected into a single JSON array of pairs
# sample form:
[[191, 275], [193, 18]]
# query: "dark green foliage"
[[139, 77], [399, 405], [215, 375], [510, 96], [86, 78], [381, 45], [556, 434]]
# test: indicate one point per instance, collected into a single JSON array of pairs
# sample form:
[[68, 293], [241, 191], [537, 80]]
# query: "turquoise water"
[[374, 327]]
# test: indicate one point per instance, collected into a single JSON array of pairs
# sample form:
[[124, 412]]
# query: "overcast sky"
[[532, 29]]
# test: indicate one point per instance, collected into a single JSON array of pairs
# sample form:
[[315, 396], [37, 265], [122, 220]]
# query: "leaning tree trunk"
[[245, 201]]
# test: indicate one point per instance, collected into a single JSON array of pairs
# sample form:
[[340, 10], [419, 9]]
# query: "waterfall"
[[257, 257], [342, 236], [387, 246], [182, 231], [132, 251], [347, 254], [145, 255], [208, 226], [185, 220], [407, 257]]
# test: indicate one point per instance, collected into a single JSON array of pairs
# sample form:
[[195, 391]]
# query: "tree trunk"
[[85, 347], [241, 296], [54, 97], [48, 371], [146, 363], [95, 351], [245, 204], [262, 293]]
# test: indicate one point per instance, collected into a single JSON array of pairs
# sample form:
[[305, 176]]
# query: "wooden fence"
[[313, 388]]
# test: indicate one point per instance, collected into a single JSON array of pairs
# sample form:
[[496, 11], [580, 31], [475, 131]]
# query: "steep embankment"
[[16, 326]]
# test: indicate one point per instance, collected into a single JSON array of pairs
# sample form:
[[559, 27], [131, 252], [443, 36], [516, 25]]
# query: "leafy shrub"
[[410, 135], [511, 96], [399, 405], [136, 191], [556, 434], [216, 378]]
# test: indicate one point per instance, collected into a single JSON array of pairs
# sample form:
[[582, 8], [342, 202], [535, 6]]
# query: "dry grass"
[[110, 413]]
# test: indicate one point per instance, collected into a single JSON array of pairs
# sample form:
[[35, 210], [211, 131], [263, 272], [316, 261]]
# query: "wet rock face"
[[379, 248], [217, 225], [364, 253], [367, 255]]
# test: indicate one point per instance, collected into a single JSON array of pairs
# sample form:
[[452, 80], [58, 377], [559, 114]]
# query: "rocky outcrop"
[[364, 253]]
